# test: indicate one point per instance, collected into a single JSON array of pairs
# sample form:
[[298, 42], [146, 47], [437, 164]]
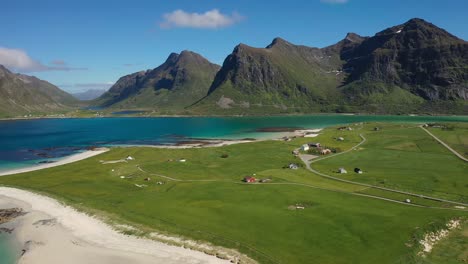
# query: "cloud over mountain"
[[211, 19], [19, 60]]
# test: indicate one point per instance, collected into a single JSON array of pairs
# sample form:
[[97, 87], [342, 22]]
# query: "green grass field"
[[455, 135], [204, 198]]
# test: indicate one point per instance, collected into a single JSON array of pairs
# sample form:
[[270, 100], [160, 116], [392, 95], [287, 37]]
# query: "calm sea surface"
[[27, 142]]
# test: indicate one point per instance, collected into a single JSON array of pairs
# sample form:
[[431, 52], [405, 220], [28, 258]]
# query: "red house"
[[249, 179]]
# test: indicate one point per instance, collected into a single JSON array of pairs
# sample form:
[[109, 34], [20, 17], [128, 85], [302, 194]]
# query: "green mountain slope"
[[422, 63], [413, 67], [280, 77], [181, 80], [23, 95]]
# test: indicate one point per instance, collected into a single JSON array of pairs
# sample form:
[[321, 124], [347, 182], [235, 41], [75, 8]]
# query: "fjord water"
[[26, 142]]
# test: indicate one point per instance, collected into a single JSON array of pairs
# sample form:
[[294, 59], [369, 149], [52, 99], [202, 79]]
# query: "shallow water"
[[6, 250], [27, 142]]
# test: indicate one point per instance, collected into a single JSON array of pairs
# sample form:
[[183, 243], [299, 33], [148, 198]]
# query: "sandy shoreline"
[[53, 233], [204, 143], [66, 160]]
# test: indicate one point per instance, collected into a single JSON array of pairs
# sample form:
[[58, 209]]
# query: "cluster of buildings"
[[319, 148]]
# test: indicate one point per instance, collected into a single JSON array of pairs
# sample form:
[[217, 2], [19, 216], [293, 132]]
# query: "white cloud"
[[18, 60], [210, 19], [334, 1]]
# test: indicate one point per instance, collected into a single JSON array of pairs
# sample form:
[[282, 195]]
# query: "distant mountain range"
[[414, 67], [90, 94], [24, 95]]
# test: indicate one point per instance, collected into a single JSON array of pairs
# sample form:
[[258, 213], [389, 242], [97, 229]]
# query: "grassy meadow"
[[204, 198], [455, 135]]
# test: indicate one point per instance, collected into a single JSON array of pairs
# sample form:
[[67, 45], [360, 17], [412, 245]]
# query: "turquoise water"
[[6, 249], [27, 142]]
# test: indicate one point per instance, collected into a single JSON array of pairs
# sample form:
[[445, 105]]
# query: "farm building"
[[295, 152], [315, 145], [305, 147], [407, 201], [342, 170], [249, 179], [182, 160], [129, 158], [293, 166], [340, 139], [358, 170]]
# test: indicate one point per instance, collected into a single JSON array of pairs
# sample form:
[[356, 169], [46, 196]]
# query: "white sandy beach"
[[66, 160], [52, 233]]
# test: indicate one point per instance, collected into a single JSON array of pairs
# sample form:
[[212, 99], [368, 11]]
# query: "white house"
[[342, 170], [293, 166], [305, 147]]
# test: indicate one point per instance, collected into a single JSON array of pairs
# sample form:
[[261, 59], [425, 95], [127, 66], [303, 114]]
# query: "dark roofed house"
[[315, 145], [358, 170]]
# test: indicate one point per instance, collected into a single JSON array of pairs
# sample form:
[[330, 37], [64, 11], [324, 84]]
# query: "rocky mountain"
[[23, 95], [416, 57], [282, 76], [411, 67], [90, 94], [179, 82]]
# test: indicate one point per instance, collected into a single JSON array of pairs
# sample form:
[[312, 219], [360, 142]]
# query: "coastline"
[[66, 160], [226, 116], [196, 143], [50, 232]]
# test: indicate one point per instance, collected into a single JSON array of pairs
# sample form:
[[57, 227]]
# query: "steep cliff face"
[[413, 64], [178, 82], [416, 56], [282, 75], [22, 94]]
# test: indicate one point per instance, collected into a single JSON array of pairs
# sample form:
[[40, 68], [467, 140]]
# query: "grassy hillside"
[[455, 135], [27, 95], [179, 82], [205, 199]]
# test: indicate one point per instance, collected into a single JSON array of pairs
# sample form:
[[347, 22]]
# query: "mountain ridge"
[[22, 94]]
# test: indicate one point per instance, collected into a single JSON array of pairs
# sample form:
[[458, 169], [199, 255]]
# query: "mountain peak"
[[417, 21], [172, 58], [353, 37], [278, 42]]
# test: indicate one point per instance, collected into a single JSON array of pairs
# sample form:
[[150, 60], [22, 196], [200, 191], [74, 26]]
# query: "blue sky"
[[90, 44]]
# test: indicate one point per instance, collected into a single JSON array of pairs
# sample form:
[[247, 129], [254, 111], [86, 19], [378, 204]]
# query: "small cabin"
[[358, 170], [340, 139], [305, 147], [407, 201], [129, 158], [182, 160], [295, 152], [314, 145], [342, 170], [293, 166]]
